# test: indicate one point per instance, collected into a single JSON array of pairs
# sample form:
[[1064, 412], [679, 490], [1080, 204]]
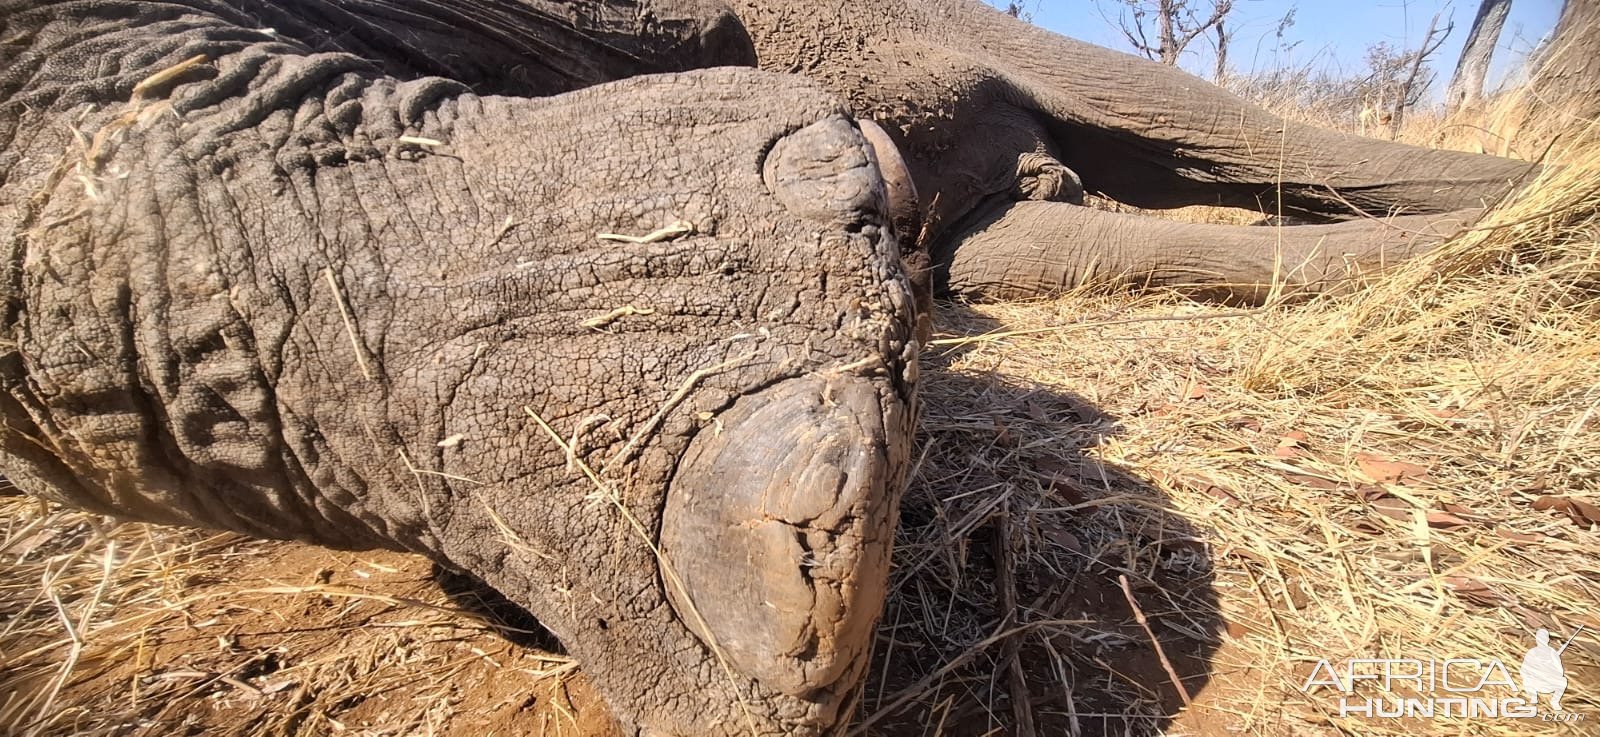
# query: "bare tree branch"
[[1218, 13], [1429, 46], [1173, 23]]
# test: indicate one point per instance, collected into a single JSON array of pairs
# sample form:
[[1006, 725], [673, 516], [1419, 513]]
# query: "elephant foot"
[[704, 507], [777, 532], [641, 357]]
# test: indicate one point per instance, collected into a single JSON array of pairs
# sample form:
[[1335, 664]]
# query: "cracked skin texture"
[[297, 293]]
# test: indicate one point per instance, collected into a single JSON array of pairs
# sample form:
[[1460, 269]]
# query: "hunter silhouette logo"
[[1542, 672], [1472, 688]]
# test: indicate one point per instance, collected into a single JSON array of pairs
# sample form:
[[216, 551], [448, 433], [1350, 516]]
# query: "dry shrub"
[[1520, 290], [1505, 124], [1508, 123]]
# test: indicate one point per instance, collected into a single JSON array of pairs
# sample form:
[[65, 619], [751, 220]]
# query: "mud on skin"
[[289, 291]]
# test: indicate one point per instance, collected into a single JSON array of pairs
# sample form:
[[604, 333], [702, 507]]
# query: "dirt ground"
[[295, 639], [249, 637]]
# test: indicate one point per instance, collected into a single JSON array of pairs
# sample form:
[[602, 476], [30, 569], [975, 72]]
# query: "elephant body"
[[568, 296], [298, 294]]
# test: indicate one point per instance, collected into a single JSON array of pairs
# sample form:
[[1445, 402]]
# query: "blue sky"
[[1331, 34]]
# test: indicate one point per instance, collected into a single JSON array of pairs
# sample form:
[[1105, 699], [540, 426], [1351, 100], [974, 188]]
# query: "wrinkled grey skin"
[[250, 299], [333, 271]]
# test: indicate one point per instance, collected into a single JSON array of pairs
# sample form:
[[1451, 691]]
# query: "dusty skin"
[[535, 310]]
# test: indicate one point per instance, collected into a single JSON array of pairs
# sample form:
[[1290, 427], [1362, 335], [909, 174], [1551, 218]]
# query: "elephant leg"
[[641, 356], [1027, 249], [1154, 136], [1136, 131]]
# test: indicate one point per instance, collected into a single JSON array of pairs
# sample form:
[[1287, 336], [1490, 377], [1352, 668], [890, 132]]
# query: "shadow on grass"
[[1008, 562]]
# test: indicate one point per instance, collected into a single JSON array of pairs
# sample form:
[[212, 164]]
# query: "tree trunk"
[[1405, 100], [1466, 87], [1566, 82], [1220, 75], [1169, 37]]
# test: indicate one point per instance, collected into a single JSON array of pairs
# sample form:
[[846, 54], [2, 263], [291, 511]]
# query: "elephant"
[[613, 304]]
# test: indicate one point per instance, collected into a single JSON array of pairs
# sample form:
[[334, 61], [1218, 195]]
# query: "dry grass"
[[140, 629], [1507, 123], [1386, 473], [1366, 473]]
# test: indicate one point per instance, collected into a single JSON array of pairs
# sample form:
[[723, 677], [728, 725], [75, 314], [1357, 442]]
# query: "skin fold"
[[572, 297]]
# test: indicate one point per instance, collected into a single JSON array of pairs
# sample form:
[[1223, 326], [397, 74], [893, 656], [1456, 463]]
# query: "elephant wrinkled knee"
[[1041, 177], [697, 34], [777, 533]]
